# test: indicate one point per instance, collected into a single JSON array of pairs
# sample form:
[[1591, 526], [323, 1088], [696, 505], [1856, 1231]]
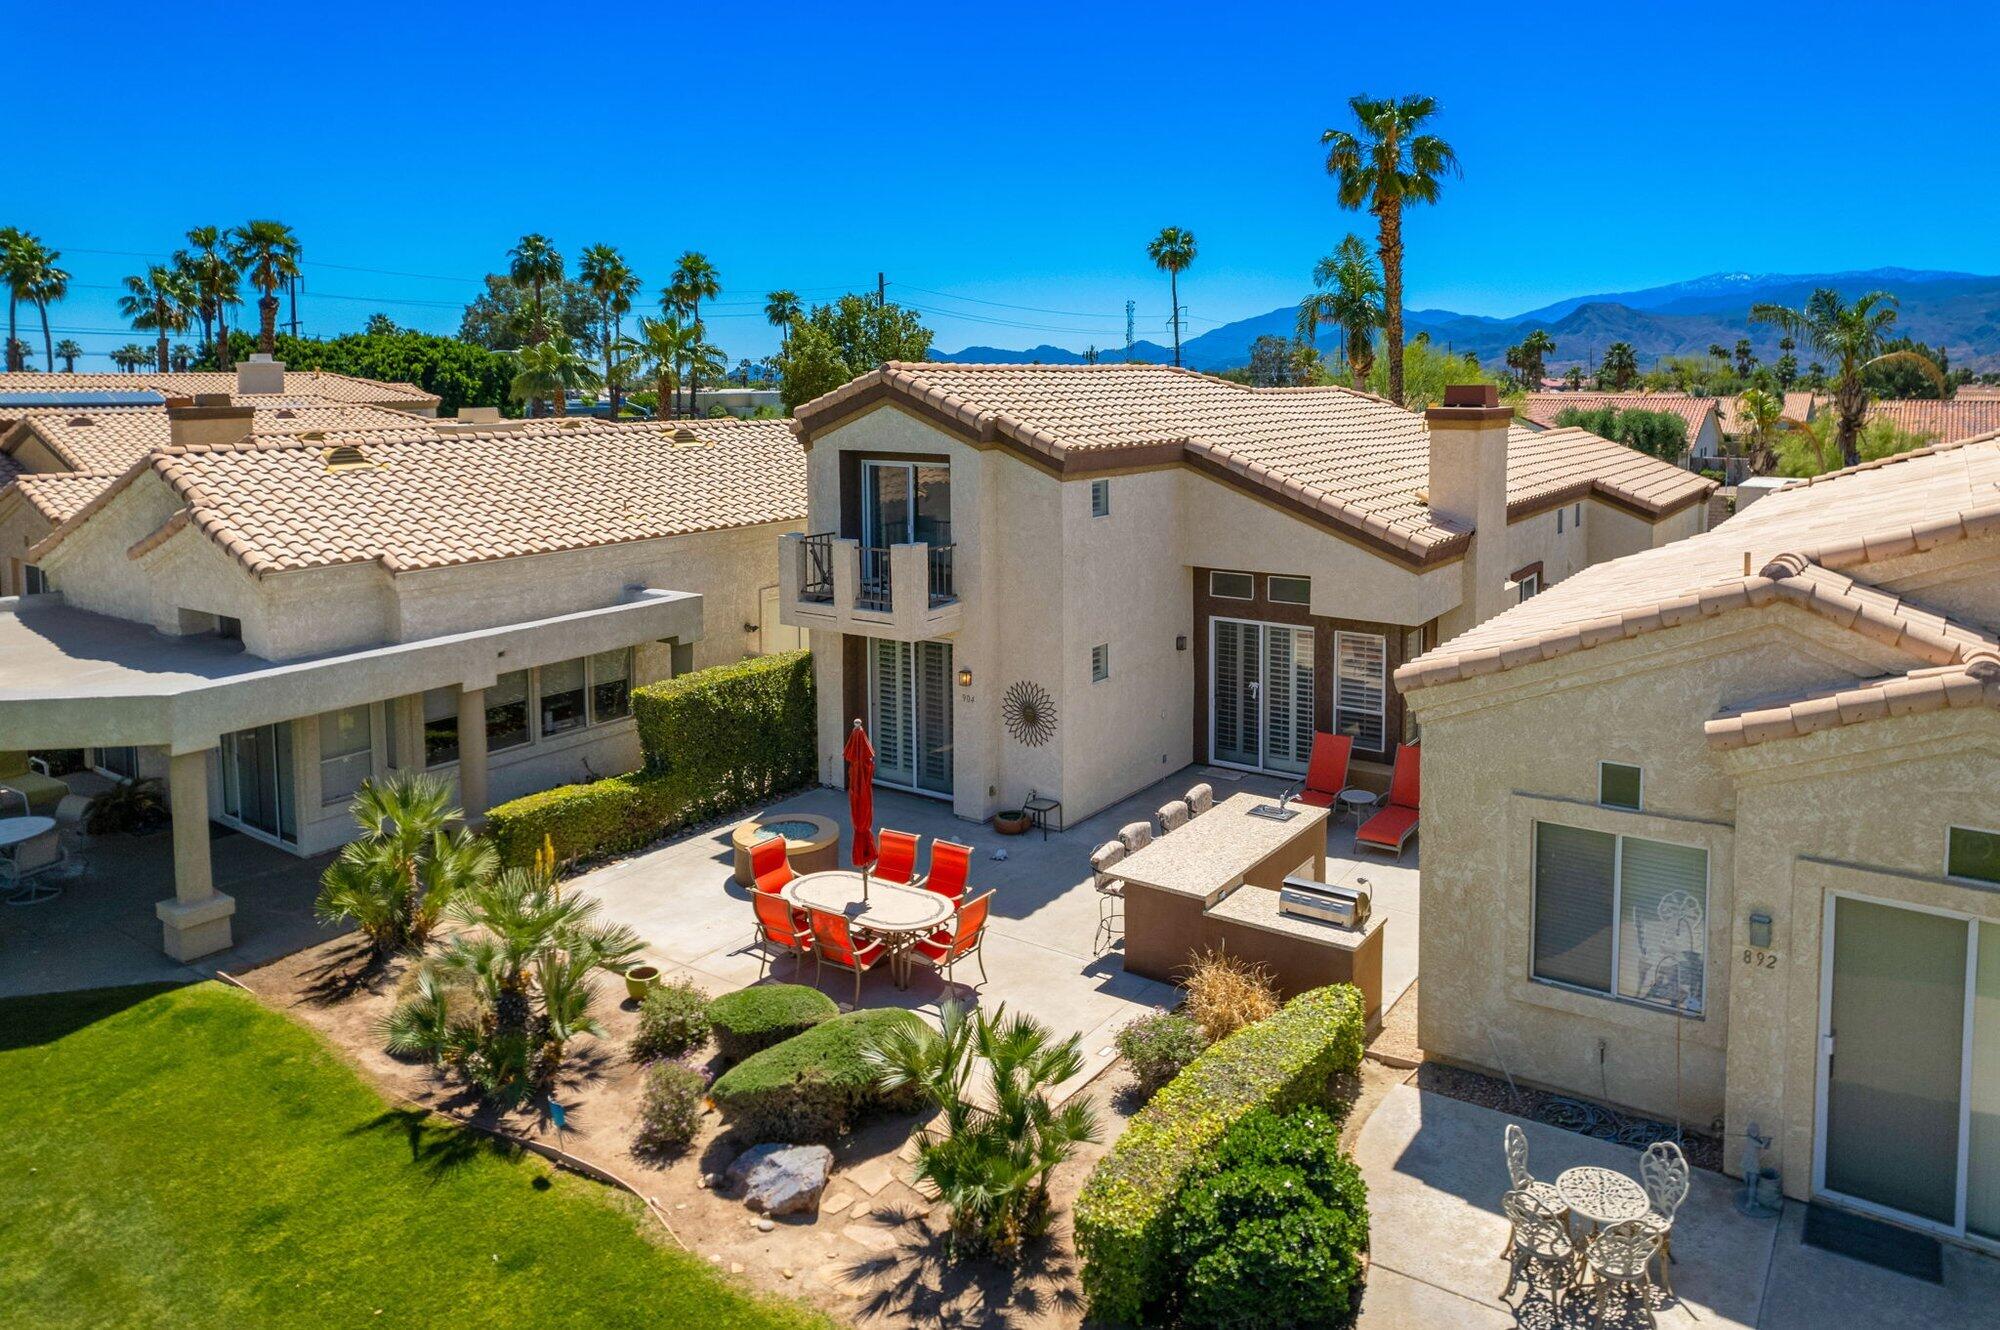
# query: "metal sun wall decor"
[[1029, 713]]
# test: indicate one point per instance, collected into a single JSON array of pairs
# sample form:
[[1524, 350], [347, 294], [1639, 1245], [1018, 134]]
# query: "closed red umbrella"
[[860, 755]]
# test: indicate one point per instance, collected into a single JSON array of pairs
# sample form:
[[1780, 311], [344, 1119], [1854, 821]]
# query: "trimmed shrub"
[[601, 817], [729, 735], [1156, 1047], [673, 1018], [753, 1019], [815, 1086], [670, 1107], [1124, 1212], [1271, 1233]]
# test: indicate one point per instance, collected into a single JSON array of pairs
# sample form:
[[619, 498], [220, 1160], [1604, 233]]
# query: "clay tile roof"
[[1803, 544], [61, 495], [1975, 683], [322, 384], [1543, 408], [97, 438], [428, 498], [1354, 459], [1942, 422]]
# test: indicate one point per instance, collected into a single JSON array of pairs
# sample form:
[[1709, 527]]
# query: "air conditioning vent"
[[346, 457]]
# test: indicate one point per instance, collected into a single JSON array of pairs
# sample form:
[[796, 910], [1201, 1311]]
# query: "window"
[[562, 691], [1620, 785], [346, 743], [440, 727], [1973, 855], [1621, 916], [120, 762], [1100, 663], [1530, 584], [610, 685], [1361, 687], [1100, 498], [1289, 590], [34, 582], [229, 628], [507, 712], [1559, 521], [1232, 586], [1579, 516]]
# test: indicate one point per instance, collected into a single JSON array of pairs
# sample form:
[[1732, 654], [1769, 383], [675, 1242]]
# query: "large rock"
[[782, 1179]]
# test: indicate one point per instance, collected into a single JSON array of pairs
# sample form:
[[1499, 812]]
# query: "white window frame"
[[1639, 807], [367, 709], [1100, 498], [1381, 711], [1214, 573], [1529, 586], [1287, 577], [1982, 883], [1100, 662], [1617, 911]]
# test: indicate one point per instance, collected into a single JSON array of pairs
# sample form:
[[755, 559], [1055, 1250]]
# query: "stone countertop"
[[1256, 907], [1213, 851]]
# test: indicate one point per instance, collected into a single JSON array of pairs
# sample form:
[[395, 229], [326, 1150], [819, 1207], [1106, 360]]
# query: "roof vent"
[[286, 413], [77, 422], [572, 424], [685, 437], [345, 457]]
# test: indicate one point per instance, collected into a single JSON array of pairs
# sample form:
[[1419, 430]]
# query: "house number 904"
[[1762, 960]]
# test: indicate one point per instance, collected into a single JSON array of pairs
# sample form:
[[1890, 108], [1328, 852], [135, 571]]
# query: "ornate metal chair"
[[1620, 1259], [1520, 1179], [1539, 1237], [1663, 1172]]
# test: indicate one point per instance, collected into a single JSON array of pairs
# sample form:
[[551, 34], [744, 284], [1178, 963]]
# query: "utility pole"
[[881, 291], [1128, 328], [295, 306]]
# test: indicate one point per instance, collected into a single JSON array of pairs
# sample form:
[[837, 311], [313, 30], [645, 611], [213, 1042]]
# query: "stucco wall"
[[1961, 579], [21, 525]]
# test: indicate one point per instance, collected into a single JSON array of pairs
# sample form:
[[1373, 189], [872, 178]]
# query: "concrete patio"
[[682, 899], [1435, 1172]]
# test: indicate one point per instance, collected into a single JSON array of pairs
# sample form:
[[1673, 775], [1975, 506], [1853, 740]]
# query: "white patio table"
[[14, 833], [894, 911]]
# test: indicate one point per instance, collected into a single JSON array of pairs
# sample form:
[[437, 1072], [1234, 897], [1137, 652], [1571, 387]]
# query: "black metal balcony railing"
[[816, 568], [944, 577], [873, 593]]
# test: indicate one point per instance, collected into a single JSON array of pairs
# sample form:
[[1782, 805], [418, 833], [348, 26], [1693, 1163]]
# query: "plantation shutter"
[[1361, 667], [1573, 890]]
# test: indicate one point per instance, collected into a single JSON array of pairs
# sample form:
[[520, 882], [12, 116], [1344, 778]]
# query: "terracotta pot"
[[1011, 821], [639, 979]]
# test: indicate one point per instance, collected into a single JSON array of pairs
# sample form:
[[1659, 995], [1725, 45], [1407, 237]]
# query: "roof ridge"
[[1975, 682], [1876, 463]]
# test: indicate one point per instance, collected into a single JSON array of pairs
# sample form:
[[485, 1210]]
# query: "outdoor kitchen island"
[[1215, 883]]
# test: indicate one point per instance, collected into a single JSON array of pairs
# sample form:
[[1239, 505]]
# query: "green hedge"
[[1123, 1216], [753, 1019], [732, 734], [815, 1086], [603, 817]]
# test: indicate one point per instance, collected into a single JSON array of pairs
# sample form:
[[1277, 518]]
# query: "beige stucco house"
[[1713, 831], [1073, 580], [271, 619]]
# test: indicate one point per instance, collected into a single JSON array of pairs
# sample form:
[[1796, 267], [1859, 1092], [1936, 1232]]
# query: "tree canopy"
[[1660, 434], [459, 373], [502, 318], [838, 342]]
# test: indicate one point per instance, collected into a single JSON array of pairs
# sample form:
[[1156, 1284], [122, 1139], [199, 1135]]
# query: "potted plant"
[[1011, 821], [640, 978]]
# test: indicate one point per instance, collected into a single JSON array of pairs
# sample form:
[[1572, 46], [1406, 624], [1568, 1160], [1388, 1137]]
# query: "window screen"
[[1361, 669], [1289, 590], [1619, 785], [610, 685], [1662, 923], [1574, 884], [507, 711], [1232, 586], [440, 727], [1973, 854]]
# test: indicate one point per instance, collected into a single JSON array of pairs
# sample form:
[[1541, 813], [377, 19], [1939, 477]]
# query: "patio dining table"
[[896, 912]]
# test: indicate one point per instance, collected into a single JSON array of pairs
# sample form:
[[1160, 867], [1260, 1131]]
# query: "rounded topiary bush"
[[817, 1085], [673, 1018], [1271, 1234], [670, 1107], [1157, 1046], [751, 1020]]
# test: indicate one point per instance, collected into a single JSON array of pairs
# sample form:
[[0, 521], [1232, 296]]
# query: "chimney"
[[1468, 487], [211, 420], [260, 374], [479, 415]]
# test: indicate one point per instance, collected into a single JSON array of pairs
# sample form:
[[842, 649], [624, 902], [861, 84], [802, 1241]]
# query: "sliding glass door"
[[257, 781], [909, 701], [1260, 695]]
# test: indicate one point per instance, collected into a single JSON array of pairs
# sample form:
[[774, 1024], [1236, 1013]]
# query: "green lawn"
[[184, 1157]]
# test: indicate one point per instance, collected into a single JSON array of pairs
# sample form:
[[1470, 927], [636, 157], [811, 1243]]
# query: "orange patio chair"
[[1390, 830], [769, 864], [959, 939], [896, 856], [950, 864], [780, 930], [834, 944], [1326, 771]]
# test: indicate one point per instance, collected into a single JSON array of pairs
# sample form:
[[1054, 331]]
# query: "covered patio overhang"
[[72, 678]]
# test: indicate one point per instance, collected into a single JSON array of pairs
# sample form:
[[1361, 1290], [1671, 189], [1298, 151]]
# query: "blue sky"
[[1016, 155]]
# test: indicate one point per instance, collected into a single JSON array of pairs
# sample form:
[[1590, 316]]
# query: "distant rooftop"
[[88, 397]]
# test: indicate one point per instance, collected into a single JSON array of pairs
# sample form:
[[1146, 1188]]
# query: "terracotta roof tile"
[[1942, 421], [97, 438], [1543, 408], [61, 495], [323, 384], [1972, 684]]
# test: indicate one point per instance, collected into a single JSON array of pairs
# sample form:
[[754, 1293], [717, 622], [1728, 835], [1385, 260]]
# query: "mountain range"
[[1957, 311]]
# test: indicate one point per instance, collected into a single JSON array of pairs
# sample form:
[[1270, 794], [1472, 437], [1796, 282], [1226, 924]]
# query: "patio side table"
[[1039, 809], [1357, 802]]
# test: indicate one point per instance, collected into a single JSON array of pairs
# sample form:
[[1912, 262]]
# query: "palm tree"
[[1383, 163], [28, 267], [780, 309], [1853, 337], [550, 371], [1172, 252], [268, 254], [67, 351], [394, 882], [1761, 413], [661, 350], [604, 270], [13, 241], [156, 302], [1620, 368], [534, 263], [1534, 347], [1350, 298], [695, 279], [704, 361], [214, 281]]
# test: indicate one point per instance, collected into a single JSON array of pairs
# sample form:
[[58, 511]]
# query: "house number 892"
[[1762, 960]]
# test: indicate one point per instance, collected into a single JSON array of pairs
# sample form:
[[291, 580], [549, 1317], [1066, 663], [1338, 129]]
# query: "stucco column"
[[196, 921], [472, 754]]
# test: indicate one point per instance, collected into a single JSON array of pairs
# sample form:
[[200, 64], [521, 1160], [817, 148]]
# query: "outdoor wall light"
[[1180, 641], [965, 678], [1760, 930]]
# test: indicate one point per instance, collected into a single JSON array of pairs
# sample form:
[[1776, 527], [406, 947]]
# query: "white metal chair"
[[1200, 799], [1663, 1172], [1135, 836], [1520, 1179], [1620, 1259], [1110, 893], [1539, 1236], [1173, 815]]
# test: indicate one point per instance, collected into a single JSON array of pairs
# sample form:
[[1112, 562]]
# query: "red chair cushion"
[[1406, 784], [896, 856], [1388, 827], [1326, 772], [1316, 798]]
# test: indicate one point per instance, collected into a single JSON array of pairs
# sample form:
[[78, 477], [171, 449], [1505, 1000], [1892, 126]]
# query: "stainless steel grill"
[[1304, 898]]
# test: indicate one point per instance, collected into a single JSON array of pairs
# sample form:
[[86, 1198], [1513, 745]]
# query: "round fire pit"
[[812, 842]]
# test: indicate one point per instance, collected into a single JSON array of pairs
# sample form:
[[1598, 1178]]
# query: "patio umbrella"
[[860, 755]]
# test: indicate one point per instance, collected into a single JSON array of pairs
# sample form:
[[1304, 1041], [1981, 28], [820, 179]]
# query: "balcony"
[[906, 593]]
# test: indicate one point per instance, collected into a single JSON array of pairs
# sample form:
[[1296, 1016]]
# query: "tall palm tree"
[[1384, 162], [52, 284], [1761, 413], [780, 309], [534, 264], [28, 267], [1535, 348], [1854, 337], [267, 253], [156, 302], [551, 370], [704, 361], [661, 350], [1350, 298], [1172, 252], [604, 270], [13, 242], [214, 280], [67, 351], [694, 277]]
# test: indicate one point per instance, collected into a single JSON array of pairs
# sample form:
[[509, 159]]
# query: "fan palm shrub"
[[394, 882], [990, 1165]]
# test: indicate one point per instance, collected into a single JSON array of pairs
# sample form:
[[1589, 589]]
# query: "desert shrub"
[[753, 1019], [673, 1018], [1157, 1046], [670, 1107], [818, 1085], [730, 734], [1226, 993], [1124, 1212], [1271, 1231]]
